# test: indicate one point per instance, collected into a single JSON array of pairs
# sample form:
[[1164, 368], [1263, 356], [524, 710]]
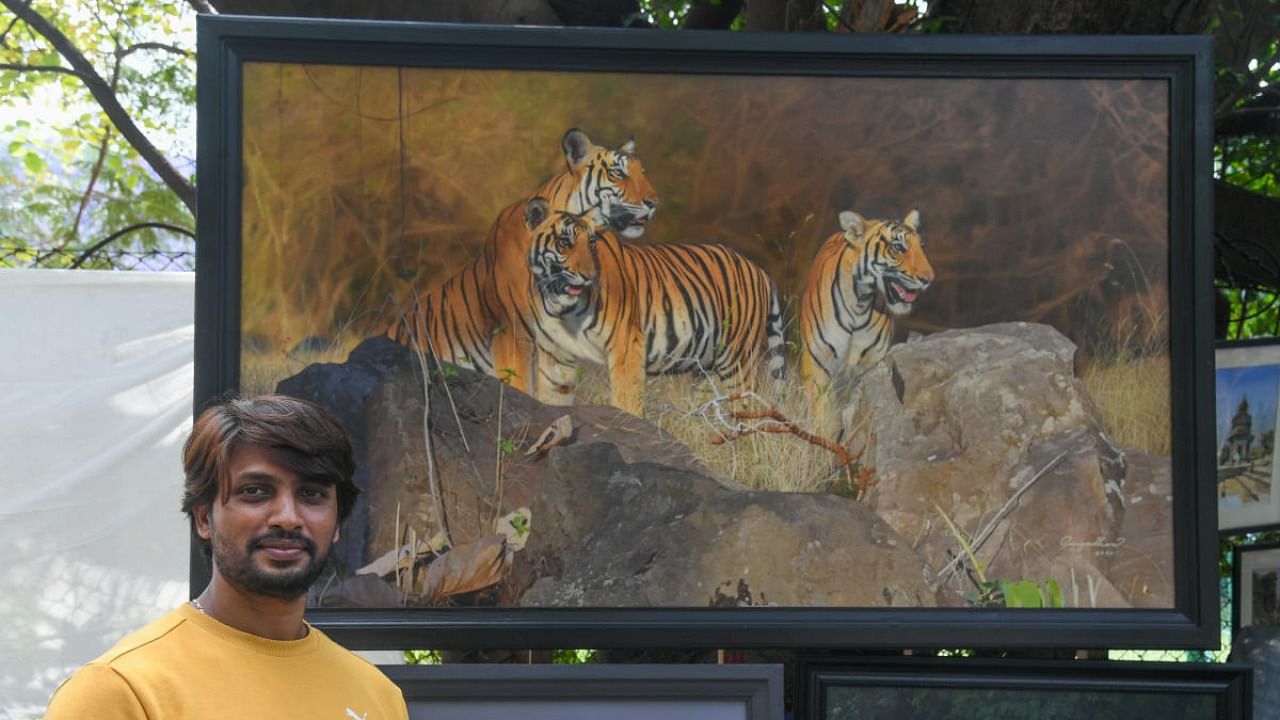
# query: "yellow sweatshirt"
[[188, 665]]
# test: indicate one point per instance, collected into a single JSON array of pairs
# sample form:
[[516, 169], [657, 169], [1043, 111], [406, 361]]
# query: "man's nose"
[[284, 512]]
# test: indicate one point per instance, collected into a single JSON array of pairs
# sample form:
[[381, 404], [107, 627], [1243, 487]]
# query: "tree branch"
[[108, 100], [121, 54], [88, 253], [4, 36], [40, 68], [93, 180]]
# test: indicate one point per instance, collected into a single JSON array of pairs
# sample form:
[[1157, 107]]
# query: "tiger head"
[[562, 256], [893, 255], [611, 180]]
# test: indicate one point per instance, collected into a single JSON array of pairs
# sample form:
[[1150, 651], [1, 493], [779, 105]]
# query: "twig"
[[174, 49], [88, 253], [433, 477], [781, 424], [40, 68], [1008, 507], [497, 458]]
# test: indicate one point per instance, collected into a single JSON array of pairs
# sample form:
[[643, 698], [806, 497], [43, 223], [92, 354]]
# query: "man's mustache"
[[287, 535]]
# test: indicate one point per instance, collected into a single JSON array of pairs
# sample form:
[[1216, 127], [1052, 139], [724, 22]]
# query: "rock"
[[958, 423], [377, 395], [1143, 569], [616, 534], [1259, 646]]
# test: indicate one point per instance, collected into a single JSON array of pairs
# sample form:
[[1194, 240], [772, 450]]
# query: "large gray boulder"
[[619, 534], [609, 526], [989, 430], [378, 395]]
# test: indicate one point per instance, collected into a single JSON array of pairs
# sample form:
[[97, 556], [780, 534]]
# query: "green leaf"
[[1021, 594], [34, 163], [1055, 593]]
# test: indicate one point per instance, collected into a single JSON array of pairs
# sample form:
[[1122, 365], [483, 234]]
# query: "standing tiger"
[[470, 319], [648, 309], [843, 332]]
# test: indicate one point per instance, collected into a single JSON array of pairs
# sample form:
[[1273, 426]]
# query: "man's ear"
[[201, 515]]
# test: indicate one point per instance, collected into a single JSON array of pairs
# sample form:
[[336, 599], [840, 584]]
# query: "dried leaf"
[[387, 563], [559, 432], [467, 568]]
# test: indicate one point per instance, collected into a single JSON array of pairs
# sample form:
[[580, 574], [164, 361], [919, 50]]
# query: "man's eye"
[[315, 493]]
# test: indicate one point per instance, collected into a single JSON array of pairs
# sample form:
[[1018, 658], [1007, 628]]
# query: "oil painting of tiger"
[[472, 318], [843, 332]]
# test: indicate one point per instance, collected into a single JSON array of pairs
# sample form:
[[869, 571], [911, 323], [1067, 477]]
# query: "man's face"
[[273, 535]]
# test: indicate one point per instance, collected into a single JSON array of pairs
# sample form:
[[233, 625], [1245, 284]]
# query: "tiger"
[[843, 333], [649, 310], [468, 319]]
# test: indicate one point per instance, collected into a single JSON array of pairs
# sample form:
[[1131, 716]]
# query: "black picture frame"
[[1225, 689], [1184, 63], [749, 692], [1245, 498], [1246, 562]]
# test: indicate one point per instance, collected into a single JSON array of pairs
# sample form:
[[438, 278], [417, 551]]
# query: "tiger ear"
[[628, 147], [853, 225], [536, 212], [912, 220], [577, 148]]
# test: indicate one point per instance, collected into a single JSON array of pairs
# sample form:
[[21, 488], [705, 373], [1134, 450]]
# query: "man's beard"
[[239, 569]]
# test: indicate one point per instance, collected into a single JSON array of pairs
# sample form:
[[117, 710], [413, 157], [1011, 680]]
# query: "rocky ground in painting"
[[988, 435], [981, 434]]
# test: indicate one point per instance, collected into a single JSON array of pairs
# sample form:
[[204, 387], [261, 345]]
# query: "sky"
[[1260, 384]]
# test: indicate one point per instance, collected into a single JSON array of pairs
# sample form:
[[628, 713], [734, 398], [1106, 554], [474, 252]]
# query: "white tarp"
[[95, 402]]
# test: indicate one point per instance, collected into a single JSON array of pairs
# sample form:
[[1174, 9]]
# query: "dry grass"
[[261, 372], [683, 407], [1133, 396]]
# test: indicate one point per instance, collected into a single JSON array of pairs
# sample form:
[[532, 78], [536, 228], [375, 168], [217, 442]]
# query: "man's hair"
[[305, 438]]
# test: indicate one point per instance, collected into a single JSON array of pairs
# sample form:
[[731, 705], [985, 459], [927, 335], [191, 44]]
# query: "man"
[[268, 481]]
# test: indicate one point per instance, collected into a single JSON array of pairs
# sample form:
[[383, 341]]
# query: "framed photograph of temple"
[[1247, 390], [727, 339], [866, 688], [1254, 572]]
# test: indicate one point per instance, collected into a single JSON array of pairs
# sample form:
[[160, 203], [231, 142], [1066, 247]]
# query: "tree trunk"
[[796, 15], [1076, 17], [503, 12]]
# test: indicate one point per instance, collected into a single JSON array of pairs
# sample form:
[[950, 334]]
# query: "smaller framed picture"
[[1255, 571], [868, 688], [1247, 391], [589, 692]]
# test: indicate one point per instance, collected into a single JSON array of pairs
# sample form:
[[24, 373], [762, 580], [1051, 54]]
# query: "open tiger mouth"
[[903, 294]]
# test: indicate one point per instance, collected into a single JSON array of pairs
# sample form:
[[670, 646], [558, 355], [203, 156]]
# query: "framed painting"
[[585, 692], [1256, 600], [1247, 390], [944, 688], [727, 340]]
